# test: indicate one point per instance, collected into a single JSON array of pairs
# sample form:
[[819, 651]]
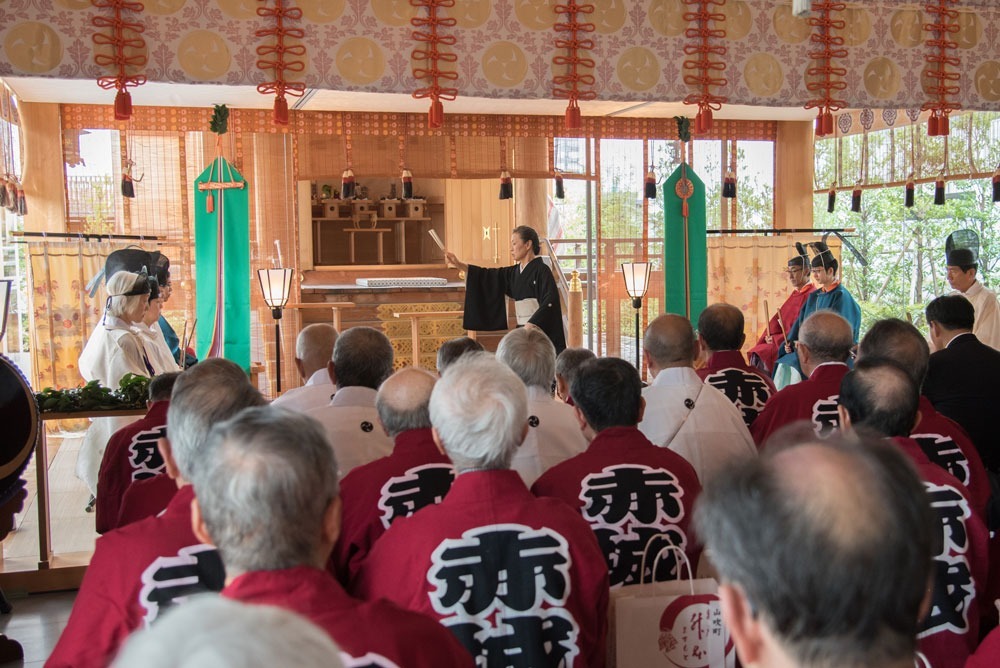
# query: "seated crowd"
[[484, 514]]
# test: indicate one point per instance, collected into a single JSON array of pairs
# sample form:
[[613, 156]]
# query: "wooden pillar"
[[44, 174], [531, 205], [794, 166]]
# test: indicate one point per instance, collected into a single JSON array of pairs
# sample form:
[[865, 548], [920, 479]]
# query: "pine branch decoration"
[[220, 120], [683, 128]]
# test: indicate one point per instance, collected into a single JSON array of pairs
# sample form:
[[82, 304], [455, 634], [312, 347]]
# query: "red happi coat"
[[814, 399], [745, 386], [504, 571], [950, 632], [988, 654], [376, 494], [131, 455], [630, 492], [768, 352], [946, 444], [375, 633], [136, 573], [146, 498]]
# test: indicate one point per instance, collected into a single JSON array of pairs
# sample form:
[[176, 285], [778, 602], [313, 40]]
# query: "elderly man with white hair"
[[211, 631], [504, 571], [415, 475], [268, 499], [553, 432], [140, 570], [313, 356]]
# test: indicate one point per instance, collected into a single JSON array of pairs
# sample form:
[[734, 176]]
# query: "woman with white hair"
[[112, 351]]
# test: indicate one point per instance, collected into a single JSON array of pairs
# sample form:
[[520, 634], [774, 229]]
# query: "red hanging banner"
[[123, 31], [823, 71], [567, 86], [705, 72], [274, 57], [941, 58], [427, 33]]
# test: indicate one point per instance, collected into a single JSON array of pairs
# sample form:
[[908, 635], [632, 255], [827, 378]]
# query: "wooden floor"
[[38, 619], [72, 527], [36, 623]]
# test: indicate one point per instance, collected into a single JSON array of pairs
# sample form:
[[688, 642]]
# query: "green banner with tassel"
[[222, 263], [685, 249]]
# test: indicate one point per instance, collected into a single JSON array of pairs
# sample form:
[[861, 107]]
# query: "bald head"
[[900, 342], [720, 327], [833, 591], [881, 396], [669, 342], [314, 348], [403, 399], [828, 336]]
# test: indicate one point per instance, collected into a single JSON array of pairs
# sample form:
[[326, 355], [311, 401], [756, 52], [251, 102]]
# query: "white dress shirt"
[[317, 392], [554, 436], [694, 420], [351, 423]]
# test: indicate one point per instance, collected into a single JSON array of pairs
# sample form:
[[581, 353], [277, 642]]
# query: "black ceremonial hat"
[[801, 259], [961, 257], [961, 248], [824, 256], [126, 259]]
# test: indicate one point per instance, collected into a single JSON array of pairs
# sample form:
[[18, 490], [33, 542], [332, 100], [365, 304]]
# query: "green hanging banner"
[[685, 249], [222, 263]]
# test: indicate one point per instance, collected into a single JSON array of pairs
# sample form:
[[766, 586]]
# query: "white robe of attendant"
[[554, 436], [694, 420], [112, 351], [318, 391], [351, 423]]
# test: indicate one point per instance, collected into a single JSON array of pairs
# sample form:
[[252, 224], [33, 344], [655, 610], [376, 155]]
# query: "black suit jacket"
[[963, 382]]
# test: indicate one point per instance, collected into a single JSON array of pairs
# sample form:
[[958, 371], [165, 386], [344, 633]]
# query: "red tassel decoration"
[[280, 111], [123, 105], [434, 55], [407, 184], [124, 32], [827, 76], [856, 200], [943, 66], [22, 203], [506, 185], [572, 33], [347, 184], [276, 56], [703, 71], [650, 185], [435, 115], [209, 202], [729, 186], [573, 119]]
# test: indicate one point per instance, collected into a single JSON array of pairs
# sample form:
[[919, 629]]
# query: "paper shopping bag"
[[676, 624]]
